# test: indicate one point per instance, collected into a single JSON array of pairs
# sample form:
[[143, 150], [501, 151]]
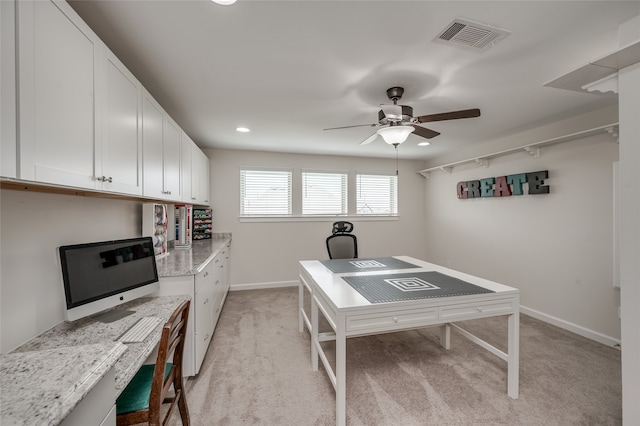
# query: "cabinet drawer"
[[205, 279], [476, 310], [386, 321]]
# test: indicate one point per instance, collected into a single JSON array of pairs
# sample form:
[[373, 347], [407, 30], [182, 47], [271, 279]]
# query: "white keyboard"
[[140, 330]]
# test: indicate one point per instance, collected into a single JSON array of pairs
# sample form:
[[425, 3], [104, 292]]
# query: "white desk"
[[350, 314]]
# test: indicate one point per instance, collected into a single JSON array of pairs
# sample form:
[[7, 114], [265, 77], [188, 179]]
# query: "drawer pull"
[[395, 319], [217, 260], [217, 281], [206, 337], [206, 301], [206, 274], [479, 309]]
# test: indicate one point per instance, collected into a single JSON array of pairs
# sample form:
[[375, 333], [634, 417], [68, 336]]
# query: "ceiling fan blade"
[[425, 133], [348, 127], [369, 139], [453, 115]]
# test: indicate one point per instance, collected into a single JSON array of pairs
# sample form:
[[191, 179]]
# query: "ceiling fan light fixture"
[[224, 2], [394, 135], [424, 144]]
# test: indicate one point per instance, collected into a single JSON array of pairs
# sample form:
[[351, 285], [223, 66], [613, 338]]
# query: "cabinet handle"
[[193, 198], [395, 319], [217, 260], [479, 309], [205, 302], [104, 179], [206, 274], [217, 281], [206, 337], [109, 179]]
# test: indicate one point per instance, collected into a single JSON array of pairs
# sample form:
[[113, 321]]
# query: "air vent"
[[471, 35]]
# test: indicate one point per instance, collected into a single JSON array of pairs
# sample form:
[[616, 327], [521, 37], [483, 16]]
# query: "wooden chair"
[[143, 397]]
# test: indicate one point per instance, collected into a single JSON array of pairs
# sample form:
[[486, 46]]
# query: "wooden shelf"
[[533, 149]]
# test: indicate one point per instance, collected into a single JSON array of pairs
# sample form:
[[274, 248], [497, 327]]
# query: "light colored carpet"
[[258, 372]]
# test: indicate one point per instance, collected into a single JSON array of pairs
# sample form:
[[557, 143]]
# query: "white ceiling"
[[288, 69]]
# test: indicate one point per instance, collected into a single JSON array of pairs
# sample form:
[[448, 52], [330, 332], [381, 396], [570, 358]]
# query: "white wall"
[[556, 248], [268, 252], [32, 226]]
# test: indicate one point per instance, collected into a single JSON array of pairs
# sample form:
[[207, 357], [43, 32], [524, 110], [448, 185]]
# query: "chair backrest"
[[171, 347], [341, 244]]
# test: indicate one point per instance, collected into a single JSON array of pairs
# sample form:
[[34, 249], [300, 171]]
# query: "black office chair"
[[341, 244]]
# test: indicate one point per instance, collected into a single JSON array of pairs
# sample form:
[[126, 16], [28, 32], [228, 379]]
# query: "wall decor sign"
[[505, 186]]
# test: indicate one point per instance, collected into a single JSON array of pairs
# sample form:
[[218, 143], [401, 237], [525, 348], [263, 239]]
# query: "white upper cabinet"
[[161, 145], [172, 142], [195, 173], [8, 135], [203, 176], [84, 120], [118, 163], [188, 146], [57, 70]]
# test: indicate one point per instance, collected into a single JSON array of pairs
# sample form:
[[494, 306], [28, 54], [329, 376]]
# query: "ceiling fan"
[[397, 121]]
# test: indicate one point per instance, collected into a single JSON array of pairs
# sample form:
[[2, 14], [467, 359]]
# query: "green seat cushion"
[[135, 396]]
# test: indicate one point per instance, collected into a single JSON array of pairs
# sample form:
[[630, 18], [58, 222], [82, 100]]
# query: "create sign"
[[504, 186]]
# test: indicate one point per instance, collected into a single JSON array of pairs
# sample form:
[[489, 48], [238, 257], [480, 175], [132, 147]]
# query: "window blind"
[[324, 193], [265, 192], [376, 195]]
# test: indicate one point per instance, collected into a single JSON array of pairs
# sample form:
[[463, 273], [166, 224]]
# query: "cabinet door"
[[186, 168], [57, 55], [8, 134], [119, 164], [196, 166], [205, 299], [171, 152], [203, 189], [152, 129]]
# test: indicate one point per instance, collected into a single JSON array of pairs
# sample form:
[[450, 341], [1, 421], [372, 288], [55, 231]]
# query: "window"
[[265, 192], [376, 194], [324, 193]]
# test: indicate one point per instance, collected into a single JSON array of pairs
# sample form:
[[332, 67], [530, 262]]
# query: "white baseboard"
[[258, 286], [574, 328]]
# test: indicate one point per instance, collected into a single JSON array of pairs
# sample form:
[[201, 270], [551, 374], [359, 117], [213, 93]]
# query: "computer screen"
[[101, 275]]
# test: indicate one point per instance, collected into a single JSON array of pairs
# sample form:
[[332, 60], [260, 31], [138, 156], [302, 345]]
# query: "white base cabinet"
[[98, 407], [208, 290]]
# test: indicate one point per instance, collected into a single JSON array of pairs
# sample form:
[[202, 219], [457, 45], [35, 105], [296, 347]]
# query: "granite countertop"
[[41, 388], [190, 261], [44, 379]]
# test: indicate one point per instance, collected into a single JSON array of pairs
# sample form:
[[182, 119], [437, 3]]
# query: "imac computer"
[[99, 276]]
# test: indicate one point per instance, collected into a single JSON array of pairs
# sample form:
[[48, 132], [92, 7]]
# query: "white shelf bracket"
[[425, 174], [446, 170], [604, 85], [613, 131], [484, 162], [534, 151]]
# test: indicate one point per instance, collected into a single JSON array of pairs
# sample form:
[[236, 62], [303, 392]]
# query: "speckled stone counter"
[[41, 388], [85, 348], [190, 261]]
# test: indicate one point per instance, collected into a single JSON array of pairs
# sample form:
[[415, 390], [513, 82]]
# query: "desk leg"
[[513, 356], [341, 374], [445, 336], [314, 334]]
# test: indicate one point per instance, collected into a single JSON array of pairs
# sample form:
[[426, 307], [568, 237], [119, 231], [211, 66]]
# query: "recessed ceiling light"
[[242, 129], [424, 144], [224, 2]]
